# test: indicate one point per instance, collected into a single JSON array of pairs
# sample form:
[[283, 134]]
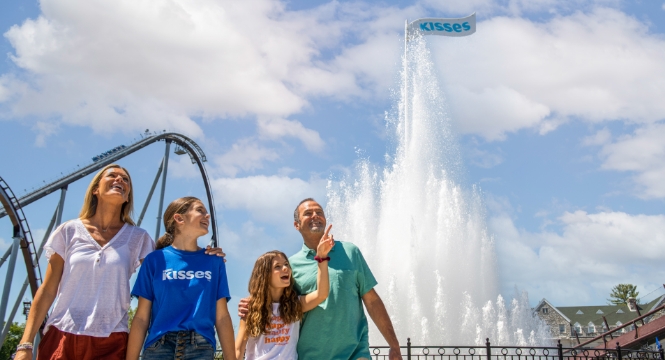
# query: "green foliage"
[[131, 313], [13, 338], [621, 293]]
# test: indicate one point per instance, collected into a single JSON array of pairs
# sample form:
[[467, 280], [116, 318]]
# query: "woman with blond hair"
[[90, 261]]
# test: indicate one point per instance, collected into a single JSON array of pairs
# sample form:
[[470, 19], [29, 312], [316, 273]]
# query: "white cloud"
[[129, 65], [483, 159], [245, 155], [503, 110], [601, 137], [515, 73], [44, 129], [275, 128], [592, 253], [4, 245], [248, 243], [642, 153], [181, 167], [267, 198], [127, 62]]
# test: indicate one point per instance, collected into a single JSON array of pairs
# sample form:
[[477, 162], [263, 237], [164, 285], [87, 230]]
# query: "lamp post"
[[26, 308]]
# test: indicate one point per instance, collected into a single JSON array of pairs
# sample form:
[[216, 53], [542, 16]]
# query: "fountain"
[[424, 234]]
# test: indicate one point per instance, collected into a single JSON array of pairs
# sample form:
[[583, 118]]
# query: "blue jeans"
[[180, 345]]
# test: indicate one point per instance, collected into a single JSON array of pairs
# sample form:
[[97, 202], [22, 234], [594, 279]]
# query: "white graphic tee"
[[279, 344]]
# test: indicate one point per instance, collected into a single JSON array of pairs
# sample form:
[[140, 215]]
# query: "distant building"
[[568, 323]]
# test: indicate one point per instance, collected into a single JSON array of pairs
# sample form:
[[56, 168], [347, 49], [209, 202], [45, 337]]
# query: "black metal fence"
[[489, 352]]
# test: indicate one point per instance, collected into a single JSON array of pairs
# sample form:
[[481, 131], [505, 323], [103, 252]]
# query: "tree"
[[620, 294], [131, 313], [13, 338]]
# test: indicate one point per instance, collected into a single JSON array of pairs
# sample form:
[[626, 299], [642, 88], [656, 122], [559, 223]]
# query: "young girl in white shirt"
[[271, 328]]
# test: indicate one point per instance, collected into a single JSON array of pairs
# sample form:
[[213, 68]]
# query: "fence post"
[[618, 351], [559, 349], [408, 348], [487, 349]]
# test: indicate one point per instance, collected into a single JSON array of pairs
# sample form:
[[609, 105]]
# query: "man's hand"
[[395, 354], [326, 244], [377, 311], [243, 307], [215, 251]]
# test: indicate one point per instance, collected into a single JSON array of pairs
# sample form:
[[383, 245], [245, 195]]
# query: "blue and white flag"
[[445, 27]]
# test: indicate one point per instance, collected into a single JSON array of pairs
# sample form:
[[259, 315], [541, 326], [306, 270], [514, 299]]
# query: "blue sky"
[[557, 106]]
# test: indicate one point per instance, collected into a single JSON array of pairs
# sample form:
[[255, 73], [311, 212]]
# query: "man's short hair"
[[296, 213]]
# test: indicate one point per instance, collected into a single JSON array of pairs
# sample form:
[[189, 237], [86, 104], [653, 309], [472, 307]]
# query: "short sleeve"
[[366, 280], [147, 246], [223, 283], [57, 242], [143, 286]]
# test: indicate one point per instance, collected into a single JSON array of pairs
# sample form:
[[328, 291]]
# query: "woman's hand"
[[23, 355], [326, 244]]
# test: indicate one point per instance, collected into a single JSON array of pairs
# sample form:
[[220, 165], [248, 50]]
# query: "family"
[[307, 306]]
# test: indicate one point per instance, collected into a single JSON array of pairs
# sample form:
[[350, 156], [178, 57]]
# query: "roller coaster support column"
[[61, 205], [10, 274], [152, 190], [5, 256], [161, 195], [19, 298]]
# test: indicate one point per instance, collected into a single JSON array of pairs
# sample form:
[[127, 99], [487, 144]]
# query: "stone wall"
[[553, 319]]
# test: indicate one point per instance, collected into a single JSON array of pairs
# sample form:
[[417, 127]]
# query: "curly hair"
[[260, 302]]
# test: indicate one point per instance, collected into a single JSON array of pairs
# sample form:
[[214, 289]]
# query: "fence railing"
[[489, 352]]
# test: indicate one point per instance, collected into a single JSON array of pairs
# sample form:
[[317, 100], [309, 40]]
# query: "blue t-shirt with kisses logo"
[[184, 287]]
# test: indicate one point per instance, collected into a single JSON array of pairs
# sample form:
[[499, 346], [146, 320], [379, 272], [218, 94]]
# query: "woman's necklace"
[[104, 230]]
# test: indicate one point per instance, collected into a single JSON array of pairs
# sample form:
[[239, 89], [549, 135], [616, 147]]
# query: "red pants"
[[59, 345]]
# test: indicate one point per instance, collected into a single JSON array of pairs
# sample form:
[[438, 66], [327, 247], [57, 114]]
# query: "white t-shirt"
[[93, 296], [279, 344]]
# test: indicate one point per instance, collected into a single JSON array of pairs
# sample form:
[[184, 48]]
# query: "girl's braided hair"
[[177, 206]]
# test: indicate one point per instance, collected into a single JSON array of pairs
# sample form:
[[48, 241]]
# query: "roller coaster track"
[[13, 206], [22, 232]]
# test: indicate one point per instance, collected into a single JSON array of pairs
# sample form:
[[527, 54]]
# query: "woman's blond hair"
[[260, 302], [90, 200], [178, 206]]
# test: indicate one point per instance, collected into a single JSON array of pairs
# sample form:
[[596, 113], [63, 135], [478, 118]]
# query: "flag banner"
[[445, 27]]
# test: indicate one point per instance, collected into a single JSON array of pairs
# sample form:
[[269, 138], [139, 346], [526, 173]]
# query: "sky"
[[557, 106]]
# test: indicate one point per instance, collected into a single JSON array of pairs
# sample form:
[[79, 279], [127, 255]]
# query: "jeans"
[[180, 345]]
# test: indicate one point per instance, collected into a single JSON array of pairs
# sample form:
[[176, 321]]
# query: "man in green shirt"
[[337, 328]]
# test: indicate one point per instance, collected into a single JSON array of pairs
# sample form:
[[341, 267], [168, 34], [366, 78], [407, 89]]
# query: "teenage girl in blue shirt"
[[182, 293]]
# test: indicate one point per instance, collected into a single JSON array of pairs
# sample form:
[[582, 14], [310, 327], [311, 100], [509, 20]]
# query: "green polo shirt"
[[337, 328]]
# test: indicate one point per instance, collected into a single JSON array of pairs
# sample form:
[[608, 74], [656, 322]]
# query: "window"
[[578, 328], [579, 312], [562, 329], [591, 328], [599, 312], [544, 310]]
